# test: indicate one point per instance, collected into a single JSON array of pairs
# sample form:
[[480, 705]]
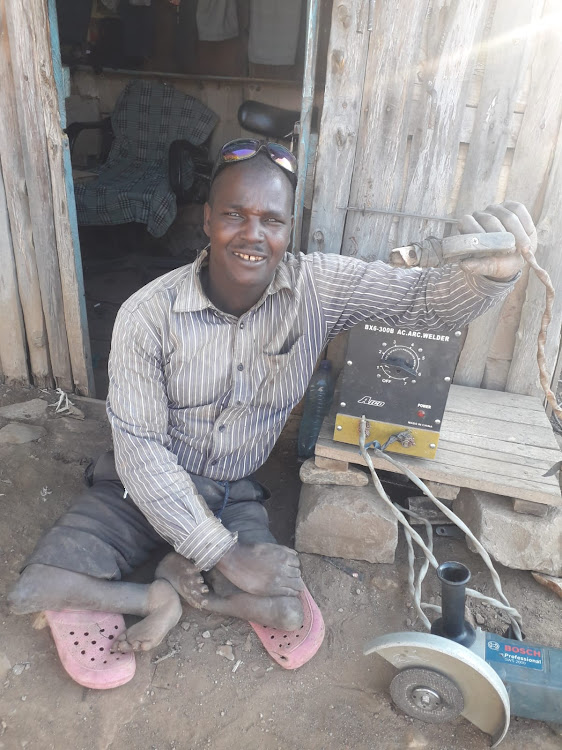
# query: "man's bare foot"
[[185, 579], [164, 611], [283, 612]]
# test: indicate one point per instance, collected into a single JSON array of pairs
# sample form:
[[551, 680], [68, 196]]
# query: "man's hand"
[[505, 217], [263, 569]]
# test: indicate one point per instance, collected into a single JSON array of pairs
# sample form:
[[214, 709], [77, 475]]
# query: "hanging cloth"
[[217, 20], [274, 31]]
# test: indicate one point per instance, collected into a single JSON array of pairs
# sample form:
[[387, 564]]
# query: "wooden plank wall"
[[31, 153], [463, 114]]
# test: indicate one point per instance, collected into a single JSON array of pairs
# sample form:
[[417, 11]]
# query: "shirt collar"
[[191, 296]]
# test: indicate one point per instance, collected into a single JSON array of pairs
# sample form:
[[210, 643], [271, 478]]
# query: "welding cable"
[[504, 604], [414, 584], [544, 375]]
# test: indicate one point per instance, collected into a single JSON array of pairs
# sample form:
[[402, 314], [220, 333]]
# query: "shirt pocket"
[[285, 376]]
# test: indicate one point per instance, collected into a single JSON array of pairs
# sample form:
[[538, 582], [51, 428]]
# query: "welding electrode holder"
[[454, 577], [433, 251]]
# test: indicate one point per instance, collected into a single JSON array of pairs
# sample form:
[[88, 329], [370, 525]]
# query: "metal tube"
[[453, 576], [307, 106]]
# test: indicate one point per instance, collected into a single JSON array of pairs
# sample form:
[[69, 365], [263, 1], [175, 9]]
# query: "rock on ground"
[[349, 522], [312, 474], [31, 409], [551, 582], [513, 539], [16, 434]]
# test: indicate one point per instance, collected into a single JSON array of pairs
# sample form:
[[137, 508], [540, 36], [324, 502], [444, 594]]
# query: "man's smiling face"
[[248, 221]]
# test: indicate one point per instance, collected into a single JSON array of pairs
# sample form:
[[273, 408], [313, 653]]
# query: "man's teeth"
[[252, 258]]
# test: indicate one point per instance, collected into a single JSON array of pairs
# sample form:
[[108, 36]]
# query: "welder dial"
[[400, 362]]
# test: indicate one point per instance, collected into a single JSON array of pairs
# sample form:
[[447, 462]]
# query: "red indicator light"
[[421, 414]]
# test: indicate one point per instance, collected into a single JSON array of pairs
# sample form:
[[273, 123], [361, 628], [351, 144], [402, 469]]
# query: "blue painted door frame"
[[69, 183]]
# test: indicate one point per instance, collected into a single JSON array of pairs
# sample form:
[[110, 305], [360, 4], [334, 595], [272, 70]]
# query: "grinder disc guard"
[[486, 702]]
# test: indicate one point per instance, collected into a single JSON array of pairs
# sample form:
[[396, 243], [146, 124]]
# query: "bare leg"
[[47, 587], [283, 612]]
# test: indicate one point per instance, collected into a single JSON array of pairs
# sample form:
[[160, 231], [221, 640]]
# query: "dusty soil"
[[186, 696]]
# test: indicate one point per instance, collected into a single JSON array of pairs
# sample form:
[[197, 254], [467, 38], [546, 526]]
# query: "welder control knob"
[[400, 363]]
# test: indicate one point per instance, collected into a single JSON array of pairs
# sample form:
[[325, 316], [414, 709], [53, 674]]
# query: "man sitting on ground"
[[206, 364]]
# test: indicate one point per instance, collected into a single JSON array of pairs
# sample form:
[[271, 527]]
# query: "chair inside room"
[[155, 156]]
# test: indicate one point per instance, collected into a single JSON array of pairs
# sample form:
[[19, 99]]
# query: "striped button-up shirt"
[[193, 389]]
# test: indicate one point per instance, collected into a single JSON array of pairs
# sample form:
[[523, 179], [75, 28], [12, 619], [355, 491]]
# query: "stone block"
[[518, 541], [550, 582], [16, 434], [442, 491], [427, 509], [312, 474], [32, 409], [330, 463], [349, 522], [531, 509]]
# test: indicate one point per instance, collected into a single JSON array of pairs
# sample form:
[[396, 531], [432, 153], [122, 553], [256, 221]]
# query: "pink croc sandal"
[[293, 648], [83, 640]]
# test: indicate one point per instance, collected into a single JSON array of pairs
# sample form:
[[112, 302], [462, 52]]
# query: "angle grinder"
[[459, 670]]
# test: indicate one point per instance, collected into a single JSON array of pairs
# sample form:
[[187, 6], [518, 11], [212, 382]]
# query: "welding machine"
[[399, 378]]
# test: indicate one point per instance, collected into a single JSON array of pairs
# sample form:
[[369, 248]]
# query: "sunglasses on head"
[[242, 149]]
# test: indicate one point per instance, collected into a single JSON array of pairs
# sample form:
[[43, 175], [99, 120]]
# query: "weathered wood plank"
[[13, 355], [383, 133], [507, 52], [531, 417], [532, 160], [500, 429], [20, 221], [505, 450], [349, 39], [455, 29], [489, 464], [28, 80], [461, 396], [520, 378]]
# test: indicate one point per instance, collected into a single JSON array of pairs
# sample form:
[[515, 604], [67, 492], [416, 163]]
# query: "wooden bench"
[[490, 440]]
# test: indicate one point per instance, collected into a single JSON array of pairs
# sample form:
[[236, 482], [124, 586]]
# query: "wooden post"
[[507, 52], [383, 136], [20, 221], [454, 30], [23, 20], [13, 355], [65, 219], [340, 123]]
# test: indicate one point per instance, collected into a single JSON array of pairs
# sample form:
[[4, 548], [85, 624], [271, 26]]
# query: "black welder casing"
[[399, 378]]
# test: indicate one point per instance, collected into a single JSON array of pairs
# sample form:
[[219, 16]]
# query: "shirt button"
[[239, 403], [222, 428], [240, 366], [241, 325], [214, 463]]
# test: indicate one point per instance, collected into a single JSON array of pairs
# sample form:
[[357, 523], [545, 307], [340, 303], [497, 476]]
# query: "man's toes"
[[291, 615], [122, 647]]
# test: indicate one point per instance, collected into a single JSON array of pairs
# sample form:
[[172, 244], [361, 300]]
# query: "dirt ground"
[[184, 695]]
